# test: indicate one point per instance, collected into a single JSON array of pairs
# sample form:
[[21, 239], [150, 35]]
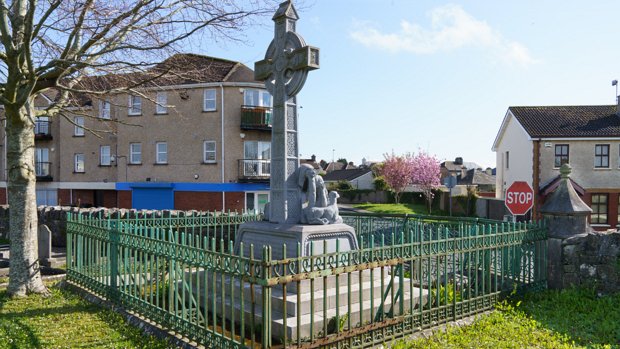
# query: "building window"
[[135, 105], [162, 102], [601, 156], [78, 163], [135, 153], [47, 197], [42, 125], [209, 100], [257, 158], [507, 159], [209, 152], [599, 209], [104, 109], [256, 98], [42, 162], [161, 150], [561, 155], [104, 155], [78, 127]]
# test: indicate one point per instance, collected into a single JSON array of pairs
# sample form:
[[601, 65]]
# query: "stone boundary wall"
[[55, 217], [589, 259]]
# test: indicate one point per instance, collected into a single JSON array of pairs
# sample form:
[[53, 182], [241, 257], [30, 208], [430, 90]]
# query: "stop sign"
[[519, 198]]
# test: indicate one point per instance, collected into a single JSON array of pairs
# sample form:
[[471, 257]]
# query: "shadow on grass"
[[65, 320], [581, 314]]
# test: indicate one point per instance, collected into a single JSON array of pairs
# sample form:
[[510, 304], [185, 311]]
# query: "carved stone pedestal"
[[310, 237]]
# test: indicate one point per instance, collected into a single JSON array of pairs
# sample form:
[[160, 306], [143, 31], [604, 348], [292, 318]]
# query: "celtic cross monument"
[[284, 70], [300, 210]]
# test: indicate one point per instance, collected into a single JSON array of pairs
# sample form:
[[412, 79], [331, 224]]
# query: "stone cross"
[[284, 70]]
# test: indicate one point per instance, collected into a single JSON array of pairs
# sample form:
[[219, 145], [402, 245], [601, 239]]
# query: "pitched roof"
[[345, 175], [569, 121], [477, 177], [179, 69]]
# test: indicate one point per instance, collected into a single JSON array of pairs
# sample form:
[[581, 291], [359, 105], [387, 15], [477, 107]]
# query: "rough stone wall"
[[592, 259], [55, 217]]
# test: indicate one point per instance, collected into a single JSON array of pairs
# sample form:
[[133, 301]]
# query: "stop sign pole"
[[519, 198]]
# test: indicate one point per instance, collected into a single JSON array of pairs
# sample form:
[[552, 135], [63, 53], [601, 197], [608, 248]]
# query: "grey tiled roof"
[[345, 175], [569, 121]]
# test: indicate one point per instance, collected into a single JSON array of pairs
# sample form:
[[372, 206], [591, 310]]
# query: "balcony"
[[42, 130], [42, 171], [254, 170], [255, 118]]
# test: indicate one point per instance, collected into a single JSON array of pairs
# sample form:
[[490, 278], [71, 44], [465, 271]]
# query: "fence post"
[[114, 238], [567, 216], [266, 311]]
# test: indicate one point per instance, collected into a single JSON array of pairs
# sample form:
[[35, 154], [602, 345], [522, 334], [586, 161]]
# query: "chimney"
[[313, 158]]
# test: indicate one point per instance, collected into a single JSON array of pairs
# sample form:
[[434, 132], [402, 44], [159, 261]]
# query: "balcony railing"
[[254, 169], [255, 118], [42, 170], [42, 130]]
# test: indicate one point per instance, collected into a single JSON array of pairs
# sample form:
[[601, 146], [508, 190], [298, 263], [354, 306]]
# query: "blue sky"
[[404, 75]]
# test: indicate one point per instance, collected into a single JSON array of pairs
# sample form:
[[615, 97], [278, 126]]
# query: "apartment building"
[[196, 136], [533, 142]]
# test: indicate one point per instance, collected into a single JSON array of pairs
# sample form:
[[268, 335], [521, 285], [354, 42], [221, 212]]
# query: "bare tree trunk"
[[24, 273]]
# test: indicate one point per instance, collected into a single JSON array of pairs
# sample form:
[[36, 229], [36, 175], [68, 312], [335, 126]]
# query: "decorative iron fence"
[[411, 272]]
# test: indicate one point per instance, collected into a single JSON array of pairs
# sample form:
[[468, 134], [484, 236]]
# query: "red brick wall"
[[64, 197], [109, 198], [3, 196], [124, 198], [202, 201], [235, 201], [85, 197]]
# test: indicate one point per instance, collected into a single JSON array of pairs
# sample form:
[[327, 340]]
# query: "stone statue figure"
[[315, 207], [323, 215]]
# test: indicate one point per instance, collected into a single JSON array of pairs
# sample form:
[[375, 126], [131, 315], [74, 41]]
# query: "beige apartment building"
[[534, 142], [197, 137]]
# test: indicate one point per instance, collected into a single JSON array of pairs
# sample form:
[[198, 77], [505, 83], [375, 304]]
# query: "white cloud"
[[451, 28]]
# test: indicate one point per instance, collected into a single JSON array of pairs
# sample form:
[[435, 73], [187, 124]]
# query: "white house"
[[533, 142]]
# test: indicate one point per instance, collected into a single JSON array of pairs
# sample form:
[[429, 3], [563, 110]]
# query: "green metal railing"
[[411, 272]]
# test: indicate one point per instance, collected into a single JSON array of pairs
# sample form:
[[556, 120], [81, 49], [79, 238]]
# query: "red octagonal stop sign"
[[519, 198]]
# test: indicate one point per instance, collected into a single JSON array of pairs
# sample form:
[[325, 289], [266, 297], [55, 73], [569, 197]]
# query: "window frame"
[[205, 100], [77, 159], [260, 98], [105, 110], [602, 155], [78, 126], [161, 102], [158, 153], [102, 155], [135, 105], [561, 156], [595, 216], [133, 153], [205, 159]]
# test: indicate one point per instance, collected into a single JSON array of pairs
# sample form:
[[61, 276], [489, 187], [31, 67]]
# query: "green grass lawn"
[[64, 320], [393, 208], [550, 319]]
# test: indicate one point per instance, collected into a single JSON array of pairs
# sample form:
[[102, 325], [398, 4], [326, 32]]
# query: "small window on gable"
[[162, 102], [78, 129], [209, 152], [209, 100], [104, 109], [135, 105]]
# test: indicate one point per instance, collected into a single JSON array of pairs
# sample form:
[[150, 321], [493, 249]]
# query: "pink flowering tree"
[[426, 175], [397, 172]]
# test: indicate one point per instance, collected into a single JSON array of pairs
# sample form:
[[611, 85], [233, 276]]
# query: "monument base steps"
[[360, 310]]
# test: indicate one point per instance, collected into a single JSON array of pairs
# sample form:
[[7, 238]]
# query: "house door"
[[256, 201]]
